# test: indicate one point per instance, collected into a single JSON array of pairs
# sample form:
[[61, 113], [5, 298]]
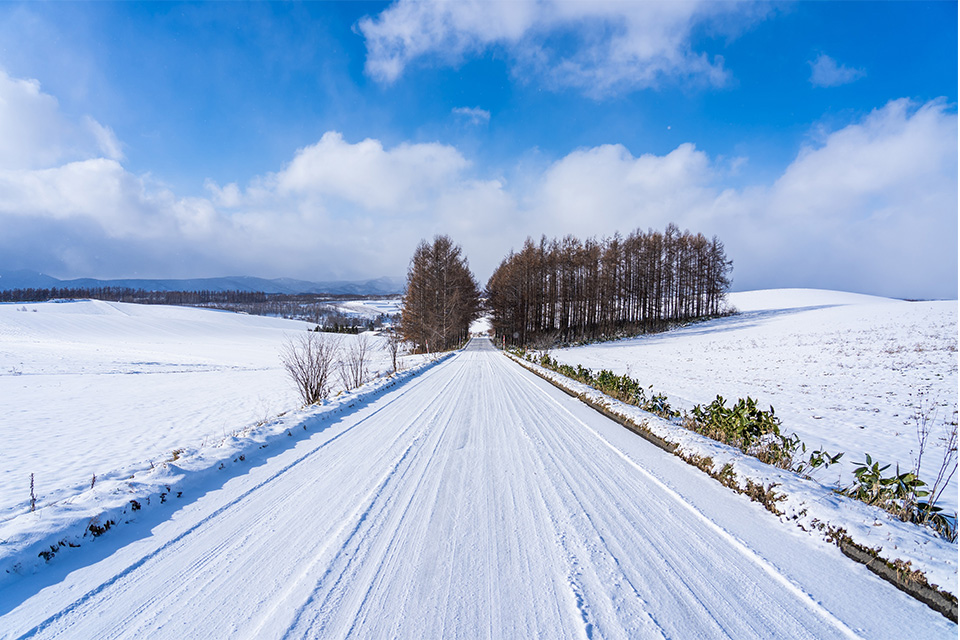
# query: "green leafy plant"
[[656, 403], [818, 459], [757, 432], [622, 387], [902, 494], [753, 430]]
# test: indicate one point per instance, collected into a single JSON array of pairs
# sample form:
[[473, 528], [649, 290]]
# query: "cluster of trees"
[[573, 290], [442, 297]]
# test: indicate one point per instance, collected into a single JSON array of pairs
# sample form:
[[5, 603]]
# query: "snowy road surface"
[[476, 501]]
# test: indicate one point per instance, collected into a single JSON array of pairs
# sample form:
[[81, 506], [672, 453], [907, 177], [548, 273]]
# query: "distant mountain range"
[[24, 279]]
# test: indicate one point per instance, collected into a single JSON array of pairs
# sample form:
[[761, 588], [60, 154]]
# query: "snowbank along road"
[[475, 501]]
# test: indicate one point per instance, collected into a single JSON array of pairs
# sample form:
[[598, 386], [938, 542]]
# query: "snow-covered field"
[[98, 388], [473, 500], [370, 308], [846, 372]]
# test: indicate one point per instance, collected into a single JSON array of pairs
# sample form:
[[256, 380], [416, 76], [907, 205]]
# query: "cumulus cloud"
[[35, 134], [623, 192], [874, 206], [400, 179], [608, 47], [336, 209], [825, 72], [475, 115], [870, 207]]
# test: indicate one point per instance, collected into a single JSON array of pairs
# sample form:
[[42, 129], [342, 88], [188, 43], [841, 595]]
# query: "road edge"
[[31, 540], [836, 530]]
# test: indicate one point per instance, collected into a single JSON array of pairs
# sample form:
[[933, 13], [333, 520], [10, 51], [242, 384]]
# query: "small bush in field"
[[309, 360]]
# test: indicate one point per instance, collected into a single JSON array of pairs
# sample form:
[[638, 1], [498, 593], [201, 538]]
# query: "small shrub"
[[47, 555], [745, 426], [902, 494], [309, 360], [818, 459], [98, 530], [656, 404]]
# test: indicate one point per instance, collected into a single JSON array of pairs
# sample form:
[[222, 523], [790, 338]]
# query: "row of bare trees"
[[442, 297], [572, 290]]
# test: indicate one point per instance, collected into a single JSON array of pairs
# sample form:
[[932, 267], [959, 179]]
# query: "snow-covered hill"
[[847, 372], [780, 299], [99, 388]]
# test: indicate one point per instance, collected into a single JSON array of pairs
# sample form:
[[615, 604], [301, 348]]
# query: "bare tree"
[[309, 360], [570, 289], [353, 366], [394, 342]]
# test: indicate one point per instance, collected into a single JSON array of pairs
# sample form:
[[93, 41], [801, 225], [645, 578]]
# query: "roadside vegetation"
[[317, 363], [757, 432]]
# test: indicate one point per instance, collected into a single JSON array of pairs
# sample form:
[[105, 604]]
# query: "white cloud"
[[871, 207], [825, 72], [874, 207], [31, 128], [611, 46], [35, 134], [475, 115], [106, 139], [400, 179], [604, 189]]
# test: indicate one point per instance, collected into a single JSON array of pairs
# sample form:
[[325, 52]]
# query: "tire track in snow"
[[298, 586], [569, 593], [466, 507], [648, 627], [805, 598], [199, 525], [365, 513]]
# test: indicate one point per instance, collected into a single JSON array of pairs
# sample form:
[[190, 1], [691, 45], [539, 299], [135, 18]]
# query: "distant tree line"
[[567, 290], [316, 308], [139, 296], [442, 297]]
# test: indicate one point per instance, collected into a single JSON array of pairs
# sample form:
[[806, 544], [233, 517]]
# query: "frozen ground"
[[90, 387], [473, 501], [847, 372]]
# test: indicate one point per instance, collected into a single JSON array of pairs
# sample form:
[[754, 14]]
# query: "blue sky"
[[818, 140]]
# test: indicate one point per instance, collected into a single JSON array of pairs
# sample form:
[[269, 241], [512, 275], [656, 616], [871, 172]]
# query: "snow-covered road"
[[475, 501]]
